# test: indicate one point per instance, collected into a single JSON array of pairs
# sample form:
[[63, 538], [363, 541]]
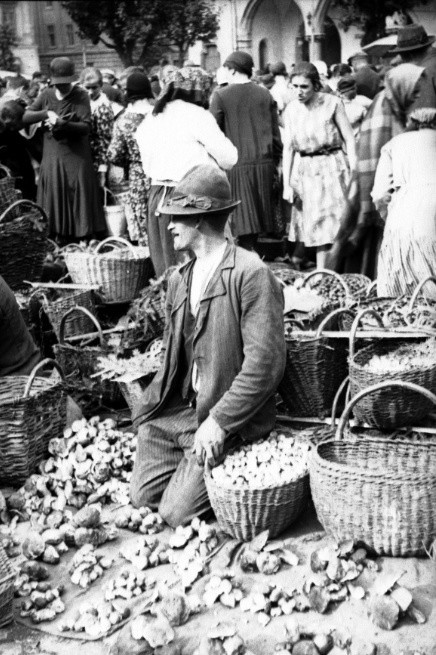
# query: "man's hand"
[[209, 442]]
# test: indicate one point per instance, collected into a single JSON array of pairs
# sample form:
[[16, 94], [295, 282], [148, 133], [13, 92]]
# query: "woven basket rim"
[[317, 458], [117, 254], [372, 348], [46, 384]]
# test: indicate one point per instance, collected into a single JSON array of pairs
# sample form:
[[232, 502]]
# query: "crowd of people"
[[304, 148]]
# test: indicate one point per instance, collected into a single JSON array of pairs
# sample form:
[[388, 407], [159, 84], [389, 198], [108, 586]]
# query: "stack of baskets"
[[23, 243], [7, 578], [377, 489], [32, 411], [120, 274]]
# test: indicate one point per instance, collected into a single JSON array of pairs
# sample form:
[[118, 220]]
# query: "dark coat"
[[426, 87], [238, 346]]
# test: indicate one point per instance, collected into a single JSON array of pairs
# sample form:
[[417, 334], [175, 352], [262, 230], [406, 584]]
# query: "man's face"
[[184, 232]]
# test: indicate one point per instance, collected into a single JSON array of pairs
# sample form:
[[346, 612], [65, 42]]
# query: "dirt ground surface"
[[350, 617]]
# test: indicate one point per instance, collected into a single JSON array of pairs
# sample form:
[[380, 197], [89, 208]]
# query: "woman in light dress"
[[405, 195], [318, 156]]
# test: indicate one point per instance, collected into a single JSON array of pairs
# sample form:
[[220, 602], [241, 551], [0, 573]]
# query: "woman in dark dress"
[[247, 114], [68, 186]]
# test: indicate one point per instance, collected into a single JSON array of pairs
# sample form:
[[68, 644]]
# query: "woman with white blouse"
[[178, 135]]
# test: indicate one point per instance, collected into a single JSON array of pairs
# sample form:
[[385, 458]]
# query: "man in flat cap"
[[247, 114], [224, 354], [416, 47]]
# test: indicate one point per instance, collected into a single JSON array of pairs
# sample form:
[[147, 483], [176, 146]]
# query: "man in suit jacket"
[[224, 354]]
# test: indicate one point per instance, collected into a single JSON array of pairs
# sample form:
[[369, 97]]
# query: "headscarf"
[[400, 84], [189, 83]]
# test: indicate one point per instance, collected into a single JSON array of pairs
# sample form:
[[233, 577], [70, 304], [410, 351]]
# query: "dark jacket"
[[18, 353], [238, 346], [367, 82], [426, 87]]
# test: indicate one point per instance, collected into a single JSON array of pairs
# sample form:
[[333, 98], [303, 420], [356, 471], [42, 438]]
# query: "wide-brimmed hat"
[[412, 37], [62, 71], [204, 189]]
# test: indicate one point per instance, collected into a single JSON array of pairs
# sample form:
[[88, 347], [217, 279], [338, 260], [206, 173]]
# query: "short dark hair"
[[16, 82], [305, 69], [217, 221]]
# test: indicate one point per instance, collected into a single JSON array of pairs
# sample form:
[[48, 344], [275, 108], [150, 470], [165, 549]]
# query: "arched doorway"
[[331, 43]]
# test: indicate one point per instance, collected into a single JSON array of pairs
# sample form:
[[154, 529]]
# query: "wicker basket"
[[388, 408], [284, 273], [32, 411], [80, 365], [315, 368], [377, 490], [244, 513], [58, 299], [389, 310], [330, 285], [120, 274], [23, 244], [7, 578], [8, 192], [357, 284], [421, 310]]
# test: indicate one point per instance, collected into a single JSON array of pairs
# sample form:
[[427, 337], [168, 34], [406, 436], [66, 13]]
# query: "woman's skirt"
[[253, 184]]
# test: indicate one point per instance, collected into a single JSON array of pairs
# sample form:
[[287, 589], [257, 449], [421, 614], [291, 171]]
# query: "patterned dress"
[[320, 181], [102, 124], [123, 151]]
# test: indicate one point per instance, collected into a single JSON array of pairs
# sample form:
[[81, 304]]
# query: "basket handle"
[[78, 308], [430, 278], [335, 312], [71, 247], [117, 240], [355, 325], [376, 387], [23, 201], [35, 370], [370, 288], [326, 271], [5, 169], [338, 394]]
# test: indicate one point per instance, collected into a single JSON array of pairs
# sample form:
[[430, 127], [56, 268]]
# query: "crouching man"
[[224, 354]]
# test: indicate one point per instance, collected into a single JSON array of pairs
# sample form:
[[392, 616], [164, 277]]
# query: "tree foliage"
[[370, 15], [8, 40], [140, 30]]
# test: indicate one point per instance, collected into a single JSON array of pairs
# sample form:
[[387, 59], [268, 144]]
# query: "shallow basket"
[[79, 362], [315, 369], [23, 244], [32, 411], [387, 408], [7, 577], [378, 490], [120, 274], [244, 513]]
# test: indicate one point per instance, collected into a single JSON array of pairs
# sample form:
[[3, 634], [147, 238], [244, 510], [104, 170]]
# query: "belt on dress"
[[316, 153]]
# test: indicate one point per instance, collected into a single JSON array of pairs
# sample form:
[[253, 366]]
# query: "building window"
[[70, 34], [51, 35]]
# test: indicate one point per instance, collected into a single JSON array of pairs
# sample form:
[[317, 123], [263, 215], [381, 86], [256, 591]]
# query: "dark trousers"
[[166, 476], [160, 241]]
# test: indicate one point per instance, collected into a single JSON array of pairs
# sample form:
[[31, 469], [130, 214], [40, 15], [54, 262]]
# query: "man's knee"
[[142, 495]]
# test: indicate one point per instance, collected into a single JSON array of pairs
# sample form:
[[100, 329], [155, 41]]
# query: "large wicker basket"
[[7, 577], [8, 192], [120, 274], [387, 408], [379, 490], [244, 513], [59, 298], [79, 362], [23, 244], [32, 411], [315, 368]]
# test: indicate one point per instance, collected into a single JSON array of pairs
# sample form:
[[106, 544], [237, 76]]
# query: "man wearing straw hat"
[[224, 354]]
